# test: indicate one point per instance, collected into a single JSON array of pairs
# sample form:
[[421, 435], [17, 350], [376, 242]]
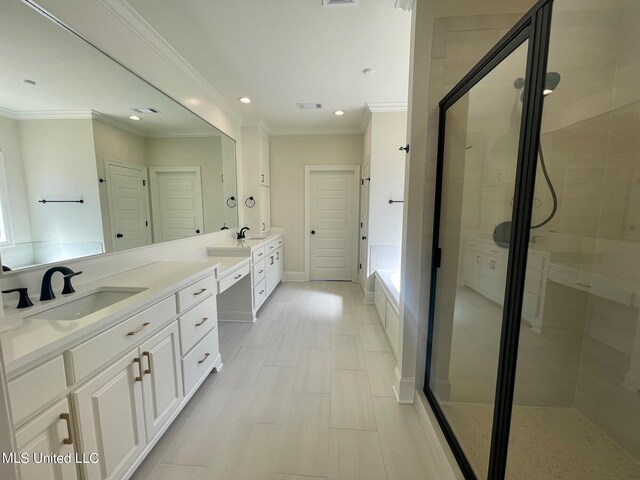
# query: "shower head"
[[551, 82]]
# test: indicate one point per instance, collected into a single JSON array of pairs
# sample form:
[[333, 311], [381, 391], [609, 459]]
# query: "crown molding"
[[382, 107], [129, 17], [46, 114], [257, 122], [192, 134]]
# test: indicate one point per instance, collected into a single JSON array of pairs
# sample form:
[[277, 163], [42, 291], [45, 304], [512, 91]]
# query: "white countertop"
[[243, 245], [26, 341]]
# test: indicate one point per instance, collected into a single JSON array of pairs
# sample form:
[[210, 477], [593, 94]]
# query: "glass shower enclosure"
[[533, 355]]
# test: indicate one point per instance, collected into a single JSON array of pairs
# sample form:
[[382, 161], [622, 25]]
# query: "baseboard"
[[236, 317], [446, 462], [293, 277], [369, 297], [404, 388]]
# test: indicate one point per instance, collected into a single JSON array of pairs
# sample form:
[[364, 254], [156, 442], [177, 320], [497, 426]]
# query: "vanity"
[[257, 276], [104, 387]]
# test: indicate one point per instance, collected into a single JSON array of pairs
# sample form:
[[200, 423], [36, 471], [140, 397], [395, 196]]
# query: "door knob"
[[119, 235], [364, 238], [198, 231], [313, 232]]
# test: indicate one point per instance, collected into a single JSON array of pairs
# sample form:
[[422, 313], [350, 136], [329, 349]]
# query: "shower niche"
[[533, 358]]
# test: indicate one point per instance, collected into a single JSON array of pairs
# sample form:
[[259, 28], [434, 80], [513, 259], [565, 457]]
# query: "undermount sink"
[[87, 304]]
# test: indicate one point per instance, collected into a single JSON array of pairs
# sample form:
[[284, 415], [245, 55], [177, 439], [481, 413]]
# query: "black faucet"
[[46, 293], [241, 232]]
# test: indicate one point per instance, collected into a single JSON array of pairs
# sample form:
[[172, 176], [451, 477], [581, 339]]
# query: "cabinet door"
[[161, 379], [49, 432], [111, 418], [264, 160], [271, 273], [471, 267], [280, 266], [265, 209]]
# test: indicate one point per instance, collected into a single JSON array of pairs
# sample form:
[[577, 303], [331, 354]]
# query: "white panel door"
[[111, 418], [162, 379], [48, 433], [176, 201], [363, 268], [128, 205], [332, 216]]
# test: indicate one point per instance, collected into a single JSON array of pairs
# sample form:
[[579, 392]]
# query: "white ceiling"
[[287, 51], [73, 79]]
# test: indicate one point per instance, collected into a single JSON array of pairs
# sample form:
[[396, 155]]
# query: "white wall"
[[288, 156], [388, 134], [59, 164], [11, 147]]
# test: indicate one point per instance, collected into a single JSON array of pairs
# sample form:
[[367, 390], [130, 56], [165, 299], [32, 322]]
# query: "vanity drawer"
[[90, 355], [257, 254], [197, 322], [258, 272], [35, 389], [198, 362], [195, 292], [260, 293], [272, 246], [232, 277]]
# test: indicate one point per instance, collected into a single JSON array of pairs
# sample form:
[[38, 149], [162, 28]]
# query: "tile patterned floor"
[[546, 443], [305, 393]]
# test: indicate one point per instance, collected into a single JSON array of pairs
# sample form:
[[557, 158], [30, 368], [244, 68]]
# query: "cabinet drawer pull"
[[139, 329], [271, 261], [271, 247], [206, 355], [148, 355], [204, 319], [261, 271], [237, 277], [137, 360], [260, 254], [261, 292], [67, 418], [277, 255], [199, 292]]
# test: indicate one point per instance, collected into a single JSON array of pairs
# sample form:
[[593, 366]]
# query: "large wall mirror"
[[93, 159]]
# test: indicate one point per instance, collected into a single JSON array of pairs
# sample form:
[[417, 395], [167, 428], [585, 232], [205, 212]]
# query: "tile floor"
[[305, 393]]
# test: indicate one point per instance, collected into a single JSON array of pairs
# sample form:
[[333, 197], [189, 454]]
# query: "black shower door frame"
[[534, 27]]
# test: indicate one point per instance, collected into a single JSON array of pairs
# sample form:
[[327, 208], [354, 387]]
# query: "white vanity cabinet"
[[115, 393], [387, 308], [484, 269], [125, 406], [50, 432]]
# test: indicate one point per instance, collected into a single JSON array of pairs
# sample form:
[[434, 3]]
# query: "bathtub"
[[391, 282]]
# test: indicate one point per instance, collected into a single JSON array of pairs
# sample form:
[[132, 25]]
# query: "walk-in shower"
[[533, 355]]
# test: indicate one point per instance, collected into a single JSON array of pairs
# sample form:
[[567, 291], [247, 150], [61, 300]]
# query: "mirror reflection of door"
[[363, 271], [176, 201], [128, 204]]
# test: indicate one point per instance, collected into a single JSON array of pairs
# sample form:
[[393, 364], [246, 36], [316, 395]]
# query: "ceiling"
[[74, 79], [282, 52]]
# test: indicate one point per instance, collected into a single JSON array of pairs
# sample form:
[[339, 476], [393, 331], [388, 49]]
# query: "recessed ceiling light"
[[134, 117], [369, 71], [338, 113], [547, 91], [29, 81], [244, 99]]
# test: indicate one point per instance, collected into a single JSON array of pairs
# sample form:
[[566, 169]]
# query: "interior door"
[[363, 268], [332, 217], [176, 200], [128, 205]]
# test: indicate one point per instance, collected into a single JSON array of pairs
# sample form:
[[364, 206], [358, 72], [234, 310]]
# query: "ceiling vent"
[[309, 106], [146, 110], [340, 3]]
